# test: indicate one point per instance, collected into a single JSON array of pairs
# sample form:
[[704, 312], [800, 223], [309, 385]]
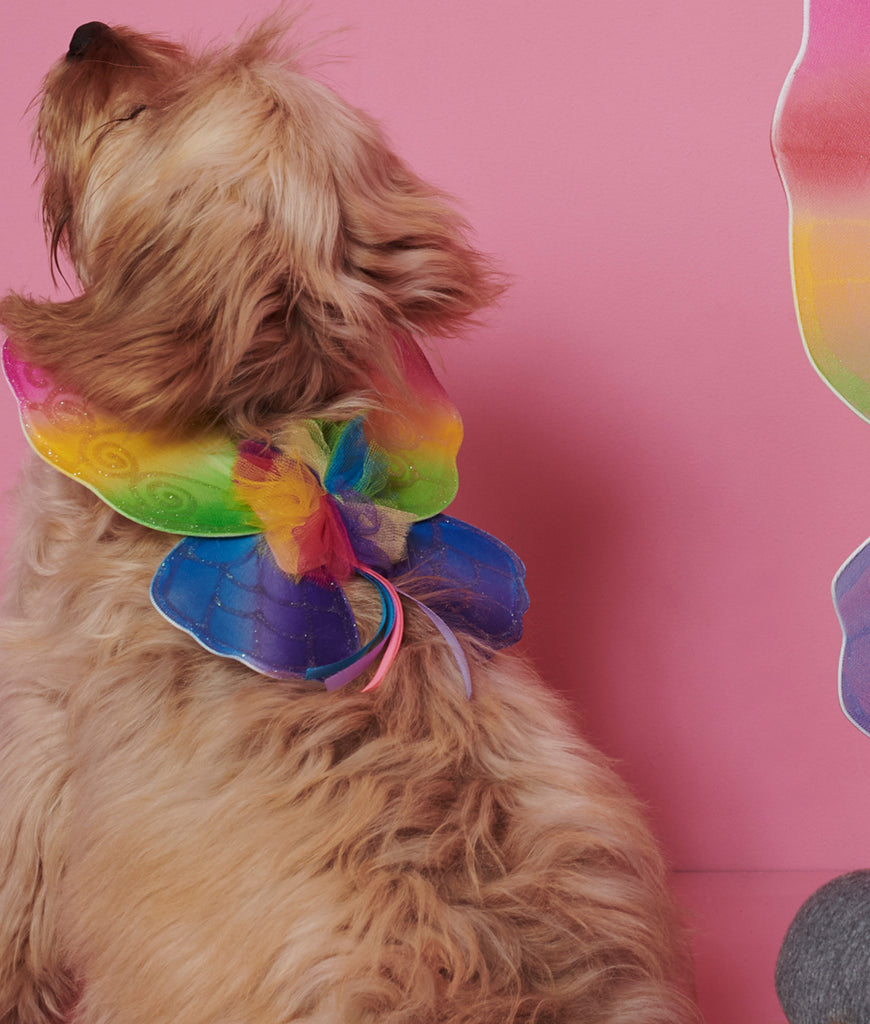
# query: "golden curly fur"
[[181, 839]]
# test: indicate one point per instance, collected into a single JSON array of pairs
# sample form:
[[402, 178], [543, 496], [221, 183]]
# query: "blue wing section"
[[231, 596], [479, 582]]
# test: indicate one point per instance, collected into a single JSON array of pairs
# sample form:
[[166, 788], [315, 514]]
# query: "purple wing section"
[[852, 601], [479, 581], [230, 595]]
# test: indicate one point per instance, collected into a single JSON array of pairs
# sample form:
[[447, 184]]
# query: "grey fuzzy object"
[[823, 970]]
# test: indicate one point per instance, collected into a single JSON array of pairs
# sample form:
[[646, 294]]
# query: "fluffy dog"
[[183, 838]]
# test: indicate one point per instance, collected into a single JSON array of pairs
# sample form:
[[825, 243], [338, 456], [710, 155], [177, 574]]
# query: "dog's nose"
[[84, 37]]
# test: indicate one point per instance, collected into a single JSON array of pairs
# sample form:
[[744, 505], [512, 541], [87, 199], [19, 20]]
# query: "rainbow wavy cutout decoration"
[[821, 144]]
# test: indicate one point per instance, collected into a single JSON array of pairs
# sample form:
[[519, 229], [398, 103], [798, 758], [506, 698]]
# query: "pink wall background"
[[642, 424]]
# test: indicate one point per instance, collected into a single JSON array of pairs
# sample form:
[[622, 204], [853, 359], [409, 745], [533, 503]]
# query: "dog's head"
[[247, 243]]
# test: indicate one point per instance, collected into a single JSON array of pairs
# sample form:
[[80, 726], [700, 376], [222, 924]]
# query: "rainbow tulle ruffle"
[[272, 530]]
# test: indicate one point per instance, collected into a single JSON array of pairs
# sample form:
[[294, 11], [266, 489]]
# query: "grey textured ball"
[[823, 970]]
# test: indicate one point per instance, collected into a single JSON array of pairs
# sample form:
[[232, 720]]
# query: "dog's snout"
[[84, 37]]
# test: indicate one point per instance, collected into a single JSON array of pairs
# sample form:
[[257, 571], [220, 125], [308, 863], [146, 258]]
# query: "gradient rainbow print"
[[821, 143]]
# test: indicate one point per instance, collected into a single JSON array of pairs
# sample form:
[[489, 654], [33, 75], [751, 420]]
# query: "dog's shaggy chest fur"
[[182, 839]]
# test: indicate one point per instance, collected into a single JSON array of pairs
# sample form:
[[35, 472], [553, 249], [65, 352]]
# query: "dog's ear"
[[400, 245], [249, 249]]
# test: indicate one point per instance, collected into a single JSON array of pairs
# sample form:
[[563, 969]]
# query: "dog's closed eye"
[[134, 113], [100, 132]]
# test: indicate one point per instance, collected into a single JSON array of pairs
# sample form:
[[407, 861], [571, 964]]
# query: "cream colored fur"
[[182, 840]]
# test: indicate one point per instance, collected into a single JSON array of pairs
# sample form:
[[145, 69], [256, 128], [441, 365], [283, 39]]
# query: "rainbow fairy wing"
[[179, 486], [821, 143], [483, 581], [229, 594]]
